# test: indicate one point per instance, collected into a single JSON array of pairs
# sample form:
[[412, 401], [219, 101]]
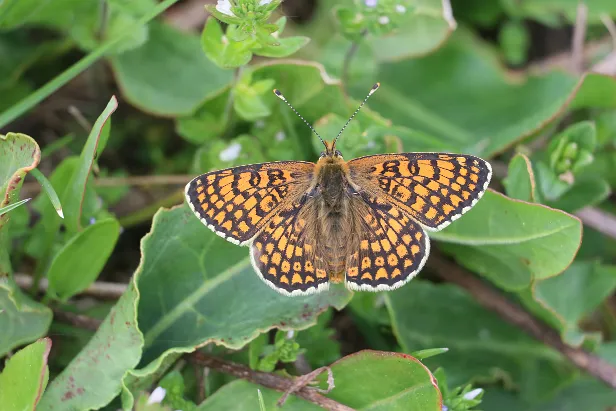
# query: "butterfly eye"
[[338, 154], [322, 154]]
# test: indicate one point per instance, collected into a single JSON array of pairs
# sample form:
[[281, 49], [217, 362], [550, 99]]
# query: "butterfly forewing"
[[392, 247], [238, 202], [433, 188]]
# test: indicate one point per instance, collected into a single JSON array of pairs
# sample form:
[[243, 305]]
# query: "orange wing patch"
[[284, 257], [393, 248], [238, 202], [433, 188]]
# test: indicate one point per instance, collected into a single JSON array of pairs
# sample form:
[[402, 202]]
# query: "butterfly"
[[362, 221]]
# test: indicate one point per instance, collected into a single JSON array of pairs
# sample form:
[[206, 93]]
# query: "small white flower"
[[264, 2], [230, 153], [370, 3], [400, 8], [445, 408], [471, 395], [383, 20], [157, 396], [224, 6], [280, 136], [290, 334], [259, 124]]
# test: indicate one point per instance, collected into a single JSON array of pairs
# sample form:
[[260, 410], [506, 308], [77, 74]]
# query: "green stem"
[[39, 95], [148, 212]]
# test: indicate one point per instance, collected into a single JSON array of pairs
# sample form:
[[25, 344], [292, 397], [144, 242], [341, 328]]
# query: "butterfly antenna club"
[[283, 98], [372, 90]]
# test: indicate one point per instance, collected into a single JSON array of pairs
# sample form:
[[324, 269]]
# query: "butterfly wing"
[[283, 254], [433, 188], [392, 247], [236, 203]]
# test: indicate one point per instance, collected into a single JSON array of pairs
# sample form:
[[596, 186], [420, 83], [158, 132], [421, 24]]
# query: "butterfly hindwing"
[[433, 188], [237, 203], [284, 255], [392, 247]]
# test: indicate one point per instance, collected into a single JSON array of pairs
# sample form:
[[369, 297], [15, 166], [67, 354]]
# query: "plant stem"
[[348, 57]]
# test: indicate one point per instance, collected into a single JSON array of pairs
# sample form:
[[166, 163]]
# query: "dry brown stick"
[[516, 315], [601, 221], [78, 320], [266, 379], [99, 289], [579, 37]]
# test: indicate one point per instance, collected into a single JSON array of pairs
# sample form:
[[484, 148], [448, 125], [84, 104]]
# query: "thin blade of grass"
[[49, 190]]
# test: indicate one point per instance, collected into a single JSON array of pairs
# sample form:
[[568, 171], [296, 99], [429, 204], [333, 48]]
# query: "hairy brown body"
[[331, 211]]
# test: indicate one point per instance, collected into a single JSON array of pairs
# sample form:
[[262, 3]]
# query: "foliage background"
[[109, 107]]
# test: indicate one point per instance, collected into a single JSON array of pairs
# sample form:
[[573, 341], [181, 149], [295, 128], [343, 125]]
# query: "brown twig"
[[266, 379], [99, 289], [579, 37], [513, 313], [78, 320], [601, 221], [303, 381]]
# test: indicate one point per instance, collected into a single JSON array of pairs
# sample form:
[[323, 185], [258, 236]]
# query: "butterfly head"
[[330, 151]]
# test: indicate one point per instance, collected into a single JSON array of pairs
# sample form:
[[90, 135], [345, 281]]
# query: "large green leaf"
[[94, 377], [482, 347], [24, 377], [197, 288], [21, 319], [359, 381], [563, 301], [520, 181], [169, 75], [479, 109], [512, 242]]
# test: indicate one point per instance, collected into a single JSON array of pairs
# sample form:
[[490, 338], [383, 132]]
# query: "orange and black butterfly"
[[362, 221]]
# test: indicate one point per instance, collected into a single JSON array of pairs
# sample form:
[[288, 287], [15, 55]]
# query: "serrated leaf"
[[482, 347], [79, 262], [24, 377], [512, 242], [168, 75]]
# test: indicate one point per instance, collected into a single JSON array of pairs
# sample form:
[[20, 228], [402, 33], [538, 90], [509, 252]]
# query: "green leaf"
[[321, 346], [95, 376], [208, 122], [520, 181], [221, 50], [512, 242], [79, 262], [586, 191], [21, 319], [49, 190], [285, 47], [485, 347], [359, 382], [13, 206], [74, 193], [565, 300], [24, 378], [501, 113], [168, 75]]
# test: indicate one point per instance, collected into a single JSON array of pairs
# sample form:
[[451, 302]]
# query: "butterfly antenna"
[[283, 98], [372, 90]]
